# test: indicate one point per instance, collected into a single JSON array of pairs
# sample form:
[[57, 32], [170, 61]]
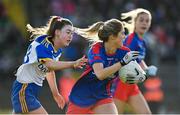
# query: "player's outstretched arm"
[[58, 65]]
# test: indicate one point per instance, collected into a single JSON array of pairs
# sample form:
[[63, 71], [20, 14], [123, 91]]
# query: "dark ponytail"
[[55, 22]]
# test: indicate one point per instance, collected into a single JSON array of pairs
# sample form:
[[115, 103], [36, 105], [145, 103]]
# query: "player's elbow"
[[49, 65], [100, 76]]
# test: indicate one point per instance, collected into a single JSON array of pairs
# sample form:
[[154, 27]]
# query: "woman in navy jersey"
[[92, 92], [40, 62], [130, 93]]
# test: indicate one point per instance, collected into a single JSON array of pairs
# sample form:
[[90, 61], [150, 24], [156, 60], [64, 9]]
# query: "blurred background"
[[162, 42]]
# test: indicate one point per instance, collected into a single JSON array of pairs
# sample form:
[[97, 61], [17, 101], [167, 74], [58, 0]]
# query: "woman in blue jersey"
[[130, 93], [92, 92], [40, 62]]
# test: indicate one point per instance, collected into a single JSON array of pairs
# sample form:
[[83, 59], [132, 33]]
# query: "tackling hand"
[[80, 62]]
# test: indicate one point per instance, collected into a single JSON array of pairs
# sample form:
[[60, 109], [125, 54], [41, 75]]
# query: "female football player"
[[40, 62], [91, 93], [140, 22]]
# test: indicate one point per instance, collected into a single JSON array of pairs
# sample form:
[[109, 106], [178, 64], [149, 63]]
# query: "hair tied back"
[[59, 18]]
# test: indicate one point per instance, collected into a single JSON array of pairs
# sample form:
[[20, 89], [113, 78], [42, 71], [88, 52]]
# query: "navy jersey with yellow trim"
[[33, 70], [89, 89], [134, 43]]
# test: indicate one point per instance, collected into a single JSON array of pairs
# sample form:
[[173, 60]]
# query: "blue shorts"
[[24, 97]]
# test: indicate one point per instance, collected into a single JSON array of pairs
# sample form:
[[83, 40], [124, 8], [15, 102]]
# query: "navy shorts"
[[24, 97]]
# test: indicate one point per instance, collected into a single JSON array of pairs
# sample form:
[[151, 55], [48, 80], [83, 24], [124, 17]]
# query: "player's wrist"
[[122, 62], [75, 64], [55, 93]]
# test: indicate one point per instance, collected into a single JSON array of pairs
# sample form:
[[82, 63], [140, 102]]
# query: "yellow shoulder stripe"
[[44, 59]]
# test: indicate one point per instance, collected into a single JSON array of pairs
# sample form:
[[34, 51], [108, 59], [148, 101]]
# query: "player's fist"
[[132, 55], [131, 79], [80, 62], [59, 100], [151, 70]]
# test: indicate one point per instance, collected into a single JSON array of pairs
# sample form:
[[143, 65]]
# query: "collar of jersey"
[[44, 38], [55, 51], [140, 38]]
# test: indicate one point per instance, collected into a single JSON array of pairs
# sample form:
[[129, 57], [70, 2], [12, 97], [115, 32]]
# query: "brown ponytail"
[[55, 22], [90, 32], [100, 31]]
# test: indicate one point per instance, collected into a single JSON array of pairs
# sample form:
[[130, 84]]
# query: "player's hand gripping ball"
[[132, 73]]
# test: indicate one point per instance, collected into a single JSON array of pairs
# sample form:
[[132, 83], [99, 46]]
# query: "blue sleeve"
[[132, 46], [122, 52], [94, 57], [43, 53], [142, 49], [138, 60], [135, 45]]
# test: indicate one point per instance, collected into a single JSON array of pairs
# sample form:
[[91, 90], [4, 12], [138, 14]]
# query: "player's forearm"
[[58, 65], [143, 65], [52, 83], [108, 71]]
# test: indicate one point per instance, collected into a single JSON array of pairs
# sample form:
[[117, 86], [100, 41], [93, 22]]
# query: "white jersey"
[[33, 70]]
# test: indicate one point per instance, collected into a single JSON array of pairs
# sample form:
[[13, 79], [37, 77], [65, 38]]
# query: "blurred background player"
[[91, 93], [40, 62], [137, 23]]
